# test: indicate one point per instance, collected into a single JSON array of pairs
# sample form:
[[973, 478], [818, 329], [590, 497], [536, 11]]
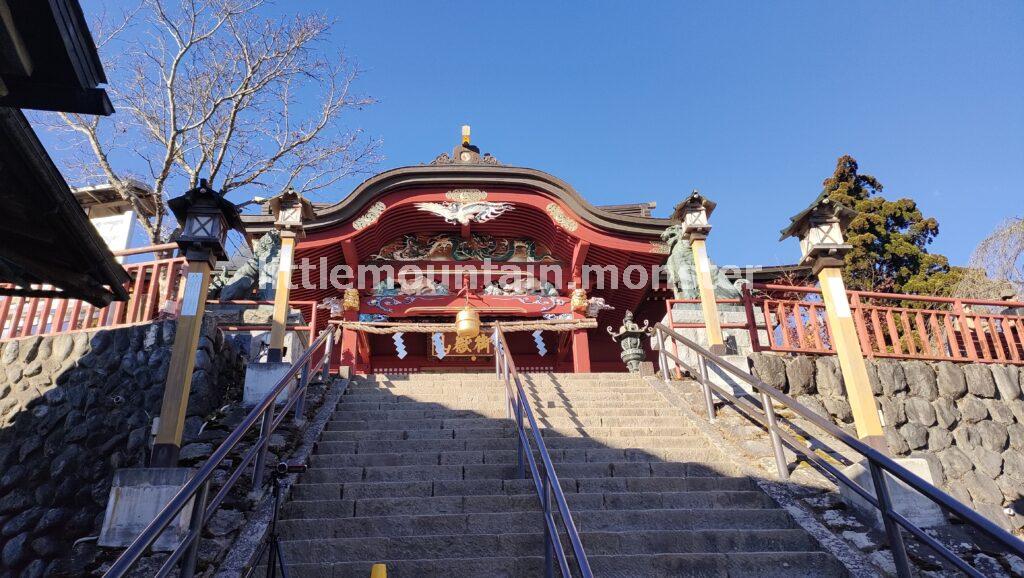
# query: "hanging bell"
[[467, 322]]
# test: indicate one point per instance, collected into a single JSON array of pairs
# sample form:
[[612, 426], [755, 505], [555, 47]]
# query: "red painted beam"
[[579, 256]]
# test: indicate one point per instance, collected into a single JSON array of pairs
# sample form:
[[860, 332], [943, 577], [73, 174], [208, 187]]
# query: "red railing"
[[888, 325], [155, 289]]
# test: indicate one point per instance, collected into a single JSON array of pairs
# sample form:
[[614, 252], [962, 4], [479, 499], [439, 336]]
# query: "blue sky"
[[750, 102]]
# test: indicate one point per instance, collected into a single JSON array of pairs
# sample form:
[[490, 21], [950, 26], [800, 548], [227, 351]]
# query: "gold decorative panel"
[[561, 218], [369, 217]]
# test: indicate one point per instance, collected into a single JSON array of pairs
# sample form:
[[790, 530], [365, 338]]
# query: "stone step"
[[481, 422], [455, 399], [508, 471], [504, 443], [493, 504], [361, 490], [739, 564], [508, 456], [507, 430], [498, 412], [500, 403], [502, 545], [520, 522]]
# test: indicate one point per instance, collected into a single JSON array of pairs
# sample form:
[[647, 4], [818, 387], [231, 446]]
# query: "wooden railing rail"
[[154, 290], [889, 325]]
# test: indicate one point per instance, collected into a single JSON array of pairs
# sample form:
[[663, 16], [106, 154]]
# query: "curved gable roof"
[[467, 175]]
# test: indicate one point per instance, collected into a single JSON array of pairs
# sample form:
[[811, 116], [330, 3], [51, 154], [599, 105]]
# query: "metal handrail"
[[545, 480], [197, 488], [878, 462]]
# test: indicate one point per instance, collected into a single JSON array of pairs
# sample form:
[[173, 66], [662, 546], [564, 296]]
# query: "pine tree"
[[889, 238]]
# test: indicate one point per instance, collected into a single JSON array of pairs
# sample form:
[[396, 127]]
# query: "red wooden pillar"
[[349, 341], [580, 348]]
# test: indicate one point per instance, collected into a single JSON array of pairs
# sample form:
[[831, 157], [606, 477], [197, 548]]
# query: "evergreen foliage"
[[889, 238]]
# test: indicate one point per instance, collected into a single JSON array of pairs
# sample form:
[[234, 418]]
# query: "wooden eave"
[[45, 237]]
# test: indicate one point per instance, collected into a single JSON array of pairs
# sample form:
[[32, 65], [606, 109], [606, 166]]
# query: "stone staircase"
[[419, 472]]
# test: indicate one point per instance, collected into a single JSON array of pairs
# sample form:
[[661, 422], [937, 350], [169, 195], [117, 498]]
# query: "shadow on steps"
[[419, 473]]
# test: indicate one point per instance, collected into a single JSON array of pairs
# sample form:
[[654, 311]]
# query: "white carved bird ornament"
[[465, 213]]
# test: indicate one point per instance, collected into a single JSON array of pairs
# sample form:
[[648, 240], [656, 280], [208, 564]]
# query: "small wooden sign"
[[463, 347]]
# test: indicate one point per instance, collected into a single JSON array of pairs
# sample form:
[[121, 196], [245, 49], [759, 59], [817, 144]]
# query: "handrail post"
[[663, 356], [773, 432], [300, 392], [520, 434], [261, 456], [328, 350], [196, 523], [748, 308], [892, 529], [709, 401], [549, 546]]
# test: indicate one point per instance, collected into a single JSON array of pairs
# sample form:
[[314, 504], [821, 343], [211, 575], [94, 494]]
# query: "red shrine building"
[[404, 252]]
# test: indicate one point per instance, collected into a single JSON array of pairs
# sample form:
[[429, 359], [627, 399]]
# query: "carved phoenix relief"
[[465, 213]]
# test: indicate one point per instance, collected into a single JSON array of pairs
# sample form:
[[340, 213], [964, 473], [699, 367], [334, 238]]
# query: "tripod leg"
[[273, 558], [280, 559]]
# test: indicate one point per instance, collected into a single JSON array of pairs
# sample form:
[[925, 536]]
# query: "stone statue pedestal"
[[261, 377], [737, 343]]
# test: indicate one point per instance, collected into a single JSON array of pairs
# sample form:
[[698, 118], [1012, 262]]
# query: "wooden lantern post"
[[206, 218], [290, 210], [694, 213], [820, 230]]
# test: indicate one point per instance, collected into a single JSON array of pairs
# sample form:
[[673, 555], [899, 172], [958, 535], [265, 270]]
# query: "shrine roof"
[[632, 219], [46, 237]]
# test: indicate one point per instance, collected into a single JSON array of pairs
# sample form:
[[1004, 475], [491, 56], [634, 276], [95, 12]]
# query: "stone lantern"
[[630, 339]]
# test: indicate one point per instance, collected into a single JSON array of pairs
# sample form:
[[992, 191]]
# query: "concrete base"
[[727, 380], [294, 345], [912, 505], [136, 496], [260, 379]]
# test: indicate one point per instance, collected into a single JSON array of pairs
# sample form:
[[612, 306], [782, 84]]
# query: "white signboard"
[[835, 285]]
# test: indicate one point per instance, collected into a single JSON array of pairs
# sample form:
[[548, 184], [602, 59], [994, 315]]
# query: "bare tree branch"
[[214, 89]]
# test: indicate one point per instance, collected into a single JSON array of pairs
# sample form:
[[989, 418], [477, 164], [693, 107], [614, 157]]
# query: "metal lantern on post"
[[820, 228], [692, 215], [205, 217], [290, 210]]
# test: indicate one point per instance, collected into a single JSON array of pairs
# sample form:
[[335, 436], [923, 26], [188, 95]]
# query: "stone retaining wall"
[[966, 419], [74, 408]]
